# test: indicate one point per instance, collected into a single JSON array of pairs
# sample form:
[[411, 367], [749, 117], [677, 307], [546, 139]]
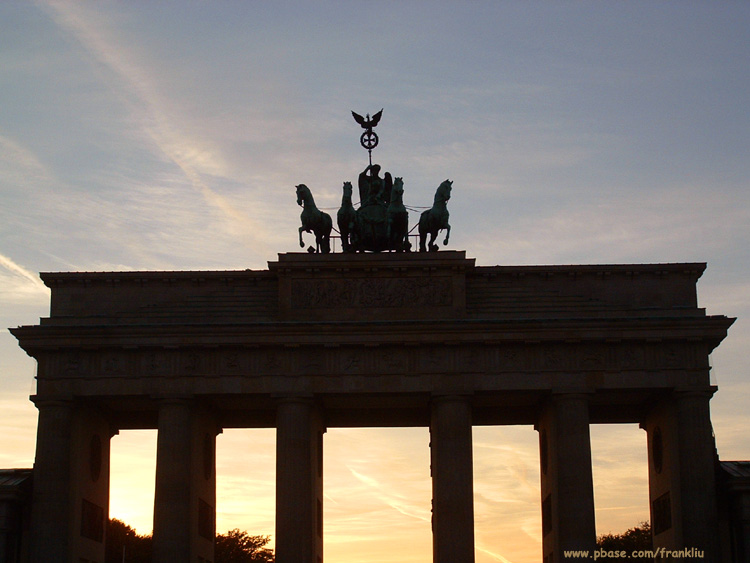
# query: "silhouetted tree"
[[122, 539], [238, 547], [634, 539]]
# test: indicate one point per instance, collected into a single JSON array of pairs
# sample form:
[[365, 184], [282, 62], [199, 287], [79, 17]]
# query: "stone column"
[[567, 482], [52, 511], [299, 482], [70, 499], [682, 480], [185, 494], [452, 480]]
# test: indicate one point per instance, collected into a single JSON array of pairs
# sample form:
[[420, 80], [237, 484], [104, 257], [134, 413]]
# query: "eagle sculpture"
[[367, 122]]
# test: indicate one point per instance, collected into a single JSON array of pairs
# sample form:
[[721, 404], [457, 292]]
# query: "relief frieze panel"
[[310, 361], [353, 361], [472, 359], [630, 357], [117, 364], [554, 357], [593, 358], [393, 361], [525, 359], [158, 362], [271, 361], [512, 357], [436, 359], [233, 362], [406, 293]]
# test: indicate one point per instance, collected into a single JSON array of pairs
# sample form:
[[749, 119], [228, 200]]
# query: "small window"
[[92, 521], [661, 514]]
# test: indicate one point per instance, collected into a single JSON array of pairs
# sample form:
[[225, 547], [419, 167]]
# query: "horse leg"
[[345, 240], [433, 235], [301, 243], [323, 234], [447, 234], [423, 230]]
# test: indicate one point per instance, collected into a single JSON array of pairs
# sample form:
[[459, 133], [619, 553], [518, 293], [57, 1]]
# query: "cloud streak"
[[32, 280], [194, 159]]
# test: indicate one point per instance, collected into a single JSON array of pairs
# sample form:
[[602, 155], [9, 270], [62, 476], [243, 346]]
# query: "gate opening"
[[377, 492], [619, 457], [507, 514], [245, 481], [132, 479]]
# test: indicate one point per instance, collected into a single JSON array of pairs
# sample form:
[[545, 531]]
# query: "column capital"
[[177, 399], [698, 392], [52, 401], [304, 398], [571, 393], [451, 397]]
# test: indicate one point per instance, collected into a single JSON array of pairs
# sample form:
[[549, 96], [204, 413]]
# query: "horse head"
[[303, 194], [348, 190], [443, 192], [397, 191]]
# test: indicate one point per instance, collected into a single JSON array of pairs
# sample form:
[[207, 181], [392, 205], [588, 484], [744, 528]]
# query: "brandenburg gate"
[[370, 339]]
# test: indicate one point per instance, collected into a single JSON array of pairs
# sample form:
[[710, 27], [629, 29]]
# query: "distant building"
[[734, 509], [15, 514]]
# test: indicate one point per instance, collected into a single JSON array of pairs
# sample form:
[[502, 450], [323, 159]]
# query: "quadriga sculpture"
[[314, 220], [435, 219]]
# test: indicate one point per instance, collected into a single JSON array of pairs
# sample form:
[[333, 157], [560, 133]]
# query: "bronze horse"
[[436, 219], [397, 219], [314, 220], [347, 219]]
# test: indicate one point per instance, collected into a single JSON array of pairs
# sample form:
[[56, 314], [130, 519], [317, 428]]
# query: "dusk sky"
[[170, 136]]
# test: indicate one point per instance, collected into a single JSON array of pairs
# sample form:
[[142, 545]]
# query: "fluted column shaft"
[[452, 480]]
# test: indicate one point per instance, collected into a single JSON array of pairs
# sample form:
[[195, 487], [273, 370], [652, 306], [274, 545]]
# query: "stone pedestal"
[[452, 480], [567, 483], [299, 482]]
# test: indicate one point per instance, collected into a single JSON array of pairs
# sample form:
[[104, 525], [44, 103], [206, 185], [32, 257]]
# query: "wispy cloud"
[[21, 166], [20, 286], [389, 496], [31, 279], [154, 115]]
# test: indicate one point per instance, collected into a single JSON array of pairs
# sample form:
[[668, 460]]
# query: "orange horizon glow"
[[377, 488]]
